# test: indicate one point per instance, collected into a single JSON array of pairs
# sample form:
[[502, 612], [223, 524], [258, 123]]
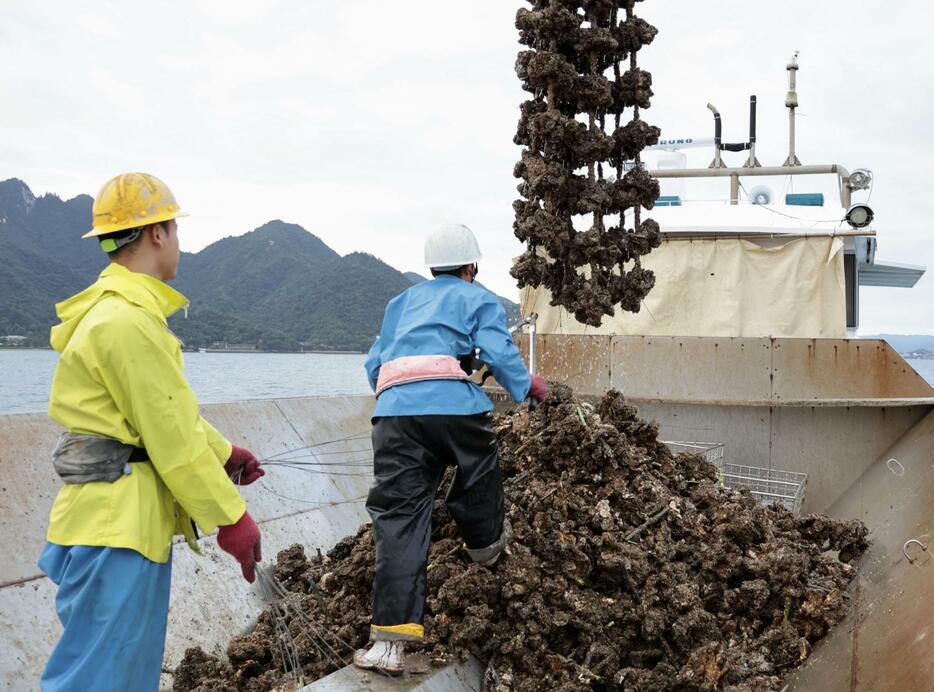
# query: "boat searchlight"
[[860, 179], [859, 215]]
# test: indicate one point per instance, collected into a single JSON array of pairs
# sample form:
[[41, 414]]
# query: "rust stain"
[[877, 374]]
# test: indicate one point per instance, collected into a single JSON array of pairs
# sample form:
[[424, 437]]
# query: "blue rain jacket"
[[446, 316]]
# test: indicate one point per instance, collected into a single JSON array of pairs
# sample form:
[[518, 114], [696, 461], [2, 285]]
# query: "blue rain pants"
[[114, 605]]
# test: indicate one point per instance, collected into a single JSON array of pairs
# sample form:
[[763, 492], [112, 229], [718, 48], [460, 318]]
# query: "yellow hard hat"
[[132, 200]]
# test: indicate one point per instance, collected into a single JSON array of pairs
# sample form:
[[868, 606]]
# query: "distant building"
[[224, 346], [307, 347], [12, 340]]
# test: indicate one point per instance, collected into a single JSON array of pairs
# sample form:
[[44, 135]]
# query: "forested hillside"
[[277, 287]]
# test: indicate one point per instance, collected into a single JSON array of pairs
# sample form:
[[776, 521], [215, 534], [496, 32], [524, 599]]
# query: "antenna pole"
[[752, 161], [791, 101]]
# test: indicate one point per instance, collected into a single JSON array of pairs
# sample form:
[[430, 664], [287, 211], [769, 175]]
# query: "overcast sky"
[[370, 122]]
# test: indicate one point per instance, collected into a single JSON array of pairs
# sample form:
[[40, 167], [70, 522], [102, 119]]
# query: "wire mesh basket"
[[711, 451], [766, 485]]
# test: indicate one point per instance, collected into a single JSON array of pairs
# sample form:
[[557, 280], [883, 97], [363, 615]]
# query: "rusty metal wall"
[[692, 370], [210, 600], [583, 362], [842, 369], [729, 370], [887, 641]]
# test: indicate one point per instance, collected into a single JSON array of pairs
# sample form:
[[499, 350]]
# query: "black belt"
[[140, 454]]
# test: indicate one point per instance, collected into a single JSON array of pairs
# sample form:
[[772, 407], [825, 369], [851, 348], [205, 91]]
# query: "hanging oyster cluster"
[[572, 136]]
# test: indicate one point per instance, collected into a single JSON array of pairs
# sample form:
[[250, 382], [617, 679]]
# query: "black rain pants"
[[410, 456]]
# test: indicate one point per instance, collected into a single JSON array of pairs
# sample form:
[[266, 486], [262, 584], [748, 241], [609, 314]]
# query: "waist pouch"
[[88, 458]]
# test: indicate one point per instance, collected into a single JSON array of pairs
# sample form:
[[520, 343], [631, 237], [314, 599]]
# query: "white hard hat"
[[450, 247]]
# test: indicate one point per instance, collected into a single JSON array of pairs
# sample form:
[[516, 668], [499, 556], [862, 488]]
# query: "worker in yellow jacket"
[[138, 461]]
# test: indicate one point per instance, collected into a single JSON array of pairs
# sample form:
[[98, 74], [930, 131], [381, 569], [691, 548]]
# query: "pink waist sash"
[[417, 369]]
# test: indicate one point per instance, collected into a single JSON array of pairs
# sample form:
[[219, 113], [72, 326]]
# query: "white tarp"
[[726, 287]]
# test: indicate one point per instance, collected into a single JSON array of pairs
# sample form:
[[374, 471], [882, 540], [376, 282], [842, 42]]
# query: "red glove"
[[242, 541], [539, 388], [243, 466]]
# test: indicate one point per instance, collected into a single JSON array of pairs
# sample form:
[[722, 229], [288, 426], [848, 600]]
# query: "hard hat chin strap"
[[112, 244]]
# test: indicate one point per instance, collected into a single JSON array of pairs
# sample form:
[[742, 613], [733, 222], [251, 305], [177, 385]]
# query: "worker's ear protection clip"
[[112, 244]]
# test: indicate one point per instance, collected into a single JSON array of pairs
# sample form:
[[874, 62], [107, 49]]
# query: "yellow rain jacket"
[[120, 376]]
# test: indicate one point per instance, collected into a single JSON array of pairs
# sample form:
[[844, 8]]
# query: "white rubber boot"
[[388, 657], [489, 555]]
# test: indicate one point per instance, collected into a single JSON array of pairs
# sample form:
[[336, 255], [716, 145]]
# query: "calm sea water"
[[25, 376], [925, 368]]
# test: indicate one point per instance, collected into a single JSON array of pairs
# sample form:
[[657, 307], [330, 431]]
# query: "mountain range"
[[278, 287], [906, 343]]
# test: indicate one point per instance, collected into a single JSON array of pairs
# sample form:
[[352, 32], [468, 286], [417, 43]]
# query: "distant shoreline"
[[209, 350], [908, 356], [256, 350]]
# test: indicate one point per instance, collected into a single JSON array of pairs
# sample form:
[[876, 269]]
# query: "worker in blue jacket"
[[430, 416]]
